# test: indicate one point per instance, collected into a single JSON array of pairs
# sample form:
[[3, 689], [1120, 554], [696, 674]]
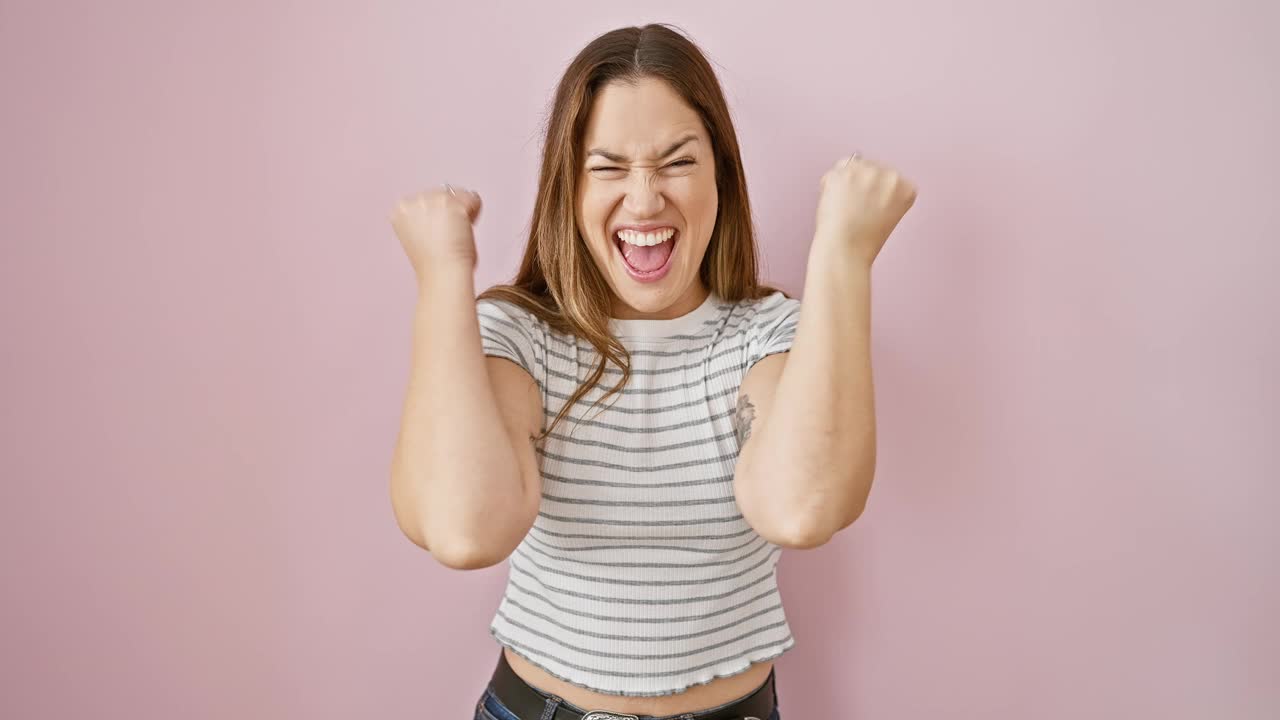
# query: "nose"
[[644, 194]]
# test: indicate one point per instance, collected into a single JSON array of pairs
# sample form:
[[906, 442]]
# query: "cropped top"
[[640, 576]]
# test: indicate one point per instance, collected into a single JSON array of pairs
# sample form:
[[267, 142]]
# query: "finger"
[[850, 160], [471, 201], [460, 192]]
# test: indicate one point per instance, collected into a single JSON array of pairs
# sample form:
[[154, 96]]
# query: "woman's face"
[[647, 161]]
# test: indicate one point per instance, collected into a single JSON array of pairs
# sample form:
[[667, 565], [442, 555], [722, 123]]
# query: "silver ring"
[[451, 192]]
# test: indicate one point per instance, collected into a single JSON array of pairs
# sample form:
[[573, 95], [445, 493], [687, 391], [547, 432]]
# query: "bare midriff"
[[693, 699]]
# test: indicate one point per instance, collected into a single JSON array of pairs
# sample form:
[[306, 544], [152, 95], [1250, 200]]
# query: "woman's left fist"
[[860, 203]]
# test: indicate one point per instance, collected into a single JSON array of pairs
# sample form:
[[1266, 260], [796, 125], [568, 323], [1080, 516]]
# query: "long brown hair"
[[558, 281]]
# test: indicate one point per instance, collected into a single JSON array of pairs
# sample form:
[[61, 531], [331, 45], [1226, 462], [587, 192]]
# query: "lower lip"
[[648, 277]]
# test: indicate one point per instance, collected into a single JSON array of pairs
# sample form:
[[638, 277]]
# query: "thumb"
[[471, 199]]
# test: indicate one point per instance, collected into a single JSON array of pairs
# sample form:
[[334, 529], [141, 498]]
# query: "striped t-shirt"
[[640, 576]]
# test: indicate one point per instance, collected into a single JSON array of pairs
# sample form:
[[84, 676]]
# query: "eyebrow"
[[622, 158]]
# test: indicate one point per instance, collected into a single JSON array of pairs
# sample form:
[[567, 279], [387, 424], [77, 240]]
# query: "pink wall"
[[206, 327]]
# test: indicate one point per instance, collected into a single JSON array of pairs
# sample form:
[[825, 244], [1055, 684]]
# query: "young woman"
[[635, 421]]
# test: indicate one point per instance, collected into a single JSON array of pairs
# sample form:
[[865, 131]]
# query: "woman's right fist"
[[434, 227]]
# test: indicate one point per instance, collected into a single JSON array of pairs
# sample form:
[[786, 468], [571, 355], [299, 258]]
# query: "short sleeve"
[[773, 327], [509, 331]]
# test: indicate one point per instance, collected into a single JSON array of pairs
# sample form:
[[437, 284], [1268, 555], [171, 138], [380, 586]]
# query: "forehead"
[[640, 121]]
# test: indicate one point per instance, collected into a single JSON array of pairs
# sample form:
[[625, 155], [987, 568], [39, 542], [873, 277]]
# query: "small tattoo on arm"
[[742, 421]]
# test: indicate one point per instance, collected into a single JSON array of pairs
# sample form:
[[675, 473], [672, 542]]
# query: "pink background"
[[206, 341]]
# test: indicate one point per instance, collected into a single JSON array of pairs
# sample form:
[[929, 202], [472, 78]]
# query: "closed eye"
[[678, 162]]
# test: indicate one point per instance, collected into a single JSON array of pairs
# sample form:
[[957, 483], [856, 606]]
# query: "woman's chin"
[[647, 299]]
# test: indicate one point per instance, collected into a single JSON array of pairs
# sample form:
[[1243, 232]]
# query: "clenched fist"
[[435, 228], [860, 204]]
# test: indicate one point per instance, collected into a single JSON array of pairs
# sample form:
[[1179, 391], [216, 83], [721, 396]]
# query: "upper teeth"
[[649, 238]]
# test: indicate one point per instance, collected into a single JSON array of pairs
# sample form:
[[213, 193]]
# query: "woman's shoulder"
[[768, 324], [509, 310], [767, 309], [514, 315], [500, 308]]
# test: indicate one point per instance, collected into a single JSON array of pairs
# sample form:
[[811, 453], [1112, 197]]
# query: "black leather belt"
[[527, 702]]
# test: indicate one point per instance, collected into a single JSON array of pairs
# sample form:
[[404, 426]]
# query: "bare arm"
[[806, 471], [464, 477]]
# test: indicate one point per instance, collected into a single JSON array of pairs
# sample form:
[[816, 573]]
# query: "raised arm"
[[464, 477]]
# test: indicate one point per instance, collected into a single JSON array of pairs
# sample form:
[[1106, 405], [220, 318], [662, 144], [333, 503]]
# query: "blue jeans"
[[488, 707]]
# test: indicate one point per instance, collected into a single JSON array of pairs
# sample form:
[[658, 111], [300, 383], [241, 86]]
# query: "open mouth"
[[647, 263]]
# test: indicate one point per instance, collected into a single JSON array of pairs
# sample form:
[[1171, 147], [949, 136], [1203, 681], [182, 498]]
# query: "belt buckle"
[[602, 715]]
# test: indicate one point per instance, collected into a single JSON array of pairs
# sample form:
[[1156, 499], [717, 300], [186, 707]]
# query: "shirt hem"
[[624, 693]]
